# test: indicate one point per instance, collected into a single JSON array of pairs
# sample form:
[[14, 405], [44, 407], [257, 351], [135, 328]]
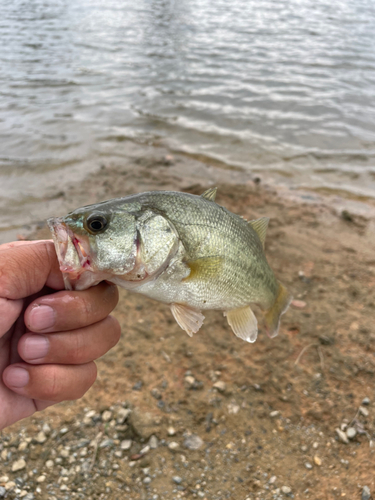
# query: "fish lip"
[[62, 235]]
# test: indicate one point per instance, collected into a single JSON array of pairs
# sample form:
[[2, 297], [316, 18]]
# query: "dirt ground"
[[268, 429]]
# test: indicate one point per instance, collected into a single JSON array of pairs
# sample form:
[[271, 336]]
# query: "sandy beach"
[[211, 416]]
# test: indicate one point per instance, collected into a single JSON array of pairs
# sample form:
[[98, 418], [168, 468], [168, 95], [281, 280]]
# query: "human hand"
[[49, 337]]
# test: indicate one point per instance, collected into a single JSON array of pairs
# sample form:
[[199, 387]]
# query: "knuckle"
[[52, 389]]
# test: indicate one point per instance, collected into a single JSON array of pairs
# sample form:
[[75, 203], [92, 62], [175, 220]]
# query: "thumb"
[[26, 269]]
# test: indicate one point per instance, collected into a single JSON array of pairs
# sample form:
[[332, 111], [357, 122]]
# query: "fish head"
[[121, 243], [94, 243]]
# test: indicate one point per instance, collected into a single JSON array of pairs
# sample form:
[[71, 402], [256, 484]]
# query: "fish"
[[178, 248]]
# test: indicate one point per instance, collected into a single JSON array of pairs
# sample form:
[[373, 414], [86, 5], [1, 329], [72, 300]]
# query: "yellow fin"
[[243, 323], [210, 194], [204, 268], [260, 227], [188, 319], [272, 316]]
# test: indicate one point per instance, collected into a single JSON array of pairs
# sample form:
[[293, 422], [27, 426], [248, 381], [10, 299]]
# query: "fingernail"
[[41, 318], [35, 347], [17, 377]]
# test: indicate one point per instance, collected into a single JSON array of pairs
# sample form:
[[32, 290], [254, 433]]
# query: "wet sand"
[[272, 422]]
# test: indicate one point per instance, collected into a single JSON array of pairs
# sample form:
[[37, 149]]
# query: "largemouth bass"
[[178, 248]]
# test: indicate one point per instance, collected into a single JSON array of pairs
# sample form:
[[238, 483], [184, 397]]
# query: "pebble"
[[126, 444], [64, 430], [342, 436], [4, 479], [122, 415], [18, 465], [219, 386], [155, 393], [177, 479], [106, 416], [64, 453], [145, 450], [308, 465], [315, 445], [193, 442], [366, 493], [173, 446], [106, 443], [190, 380], [41, 479], [41, 438], [2, 492], [171, 431], [153, 442], [317, 460], [286, 490], [46, 429], [363, 411], [29, 496], [147, 480], [22, 446], [351, 432], [272, 479], [366, 401], [300, 304], [9, 485], [50, 464], [274, 414], [23, 494]]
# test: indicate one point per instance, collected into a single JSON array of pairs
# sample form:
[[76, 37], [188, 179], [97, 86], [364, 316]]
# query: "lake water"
[[285, 87]]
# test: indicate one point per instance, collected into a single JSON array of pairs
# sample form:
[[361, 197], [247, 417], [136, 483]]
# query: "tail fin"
[[272, 316]]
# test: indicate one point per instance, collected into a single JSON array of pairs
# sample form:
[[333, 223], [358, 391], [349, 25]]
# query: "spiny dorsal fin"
[[260, 227], [210, 194]]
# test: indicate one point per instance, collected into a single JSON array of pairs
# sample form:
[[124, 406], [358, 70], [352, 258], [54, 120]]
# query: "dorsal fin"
[[210, 194], [260, 227]]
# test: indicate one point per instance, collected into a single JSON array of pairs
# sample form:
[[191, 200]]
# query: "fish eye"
[[96, 223]]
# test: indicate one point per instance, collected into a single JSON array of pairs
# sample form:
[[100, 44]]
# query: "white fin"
[[210, 194], [189, 319], [260, 227], [243, 323]]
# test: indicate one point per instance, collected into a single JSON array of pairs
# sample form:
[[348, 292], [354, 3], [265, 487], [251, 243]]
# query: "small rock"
[[122, 415], [64, 430], [153, 442], [41, 438], [145, 450], [274, 414], [46, 429], [366, 401], [106, 416], [177, 479], [9, 485], [155, 393], [18, 465], [304, 448], [351, 432], [22, 446], [193, 442], [23, 493], [90, 414], [286, 490], [363, 411], [64, 453], [366, 493], [300, 304], [317, 460], [50, 464], [315, 445], [106, 443], [342, 436], [126, 444], [171, 431], [4, 479], [219, 386], [2, 492], [308, 465], [29, 496], [272, 479], [190, 380], [138, 386], [173, 446], [147, 480], [41, 479], [118, 454]]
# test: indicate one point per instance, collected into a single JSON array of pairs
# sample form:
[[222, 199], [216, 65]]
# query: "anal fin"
[[243, 323], [188, 319]]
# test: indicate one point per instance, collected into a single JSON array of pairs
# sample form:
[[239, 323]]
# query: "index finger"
[[26, 269]]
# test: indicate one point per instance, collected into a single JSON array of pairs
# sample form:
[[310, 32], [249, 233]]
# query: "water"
[[278, 86]]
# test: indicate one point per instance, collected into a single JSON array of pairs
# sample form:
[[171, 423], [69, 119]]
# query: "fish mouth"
[[72, 255]]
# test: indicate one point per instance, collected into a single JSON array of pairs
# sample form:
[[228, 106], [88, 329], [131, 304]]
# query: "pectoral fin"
[[189, 319], [205, 268], [243, 323]]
